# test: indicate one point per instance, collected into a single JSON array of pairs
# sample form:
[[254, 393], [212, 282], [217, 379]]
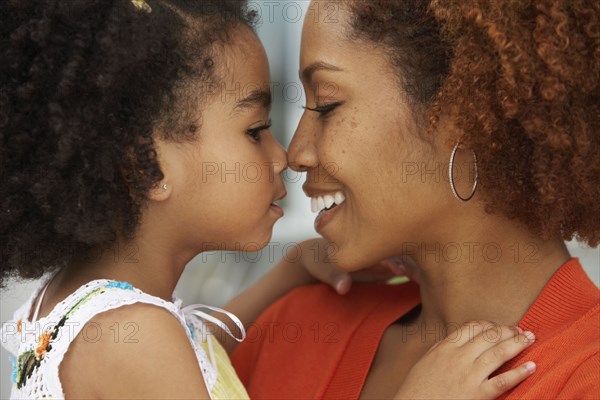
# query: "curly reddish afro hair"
[[84, 85], [520, 80]]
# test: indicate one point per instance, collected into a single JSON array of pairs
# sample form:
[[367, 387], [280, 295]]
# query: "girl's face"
[[358, 139], [223, 186]]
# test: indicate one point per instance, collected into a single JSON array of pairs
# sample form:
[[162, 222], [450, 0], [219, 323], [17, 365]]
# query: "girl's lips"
[[325, 216], [276, 209]]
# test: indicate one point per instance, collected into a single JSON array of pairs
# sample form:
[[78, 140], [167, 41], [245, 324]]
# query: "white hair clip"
[[142, 6]]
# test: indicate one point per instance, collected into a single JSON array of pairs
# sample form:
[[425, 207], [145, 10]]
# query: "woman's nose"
[[302, 153]]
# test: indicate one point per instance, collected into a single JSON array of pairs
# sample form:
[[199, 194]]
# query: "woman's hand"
[[459, 366], [317, 256]]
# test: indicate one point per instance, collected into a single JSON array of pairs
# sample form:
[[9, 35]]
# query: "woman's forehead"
[[326, 20]]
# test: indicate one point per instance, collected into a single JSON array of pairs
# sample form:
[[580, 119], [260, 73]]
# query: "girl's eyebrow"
[[256, 98]]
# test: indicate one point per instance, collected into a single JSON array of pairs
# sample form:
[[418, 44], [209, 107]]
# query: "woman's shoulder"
[[567, 361], [566, 321]]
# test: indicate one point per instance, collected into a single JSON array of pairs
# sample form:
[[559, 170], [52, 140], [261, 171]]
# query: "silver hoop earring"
[[451, 176], [165, 186]]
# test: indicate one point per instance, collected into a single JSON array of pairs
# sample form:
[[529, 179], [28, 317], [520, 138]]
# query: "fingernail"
[[339, 286], [529, 335], [395, 265], [398, 269], [530, 366], [519, 330]]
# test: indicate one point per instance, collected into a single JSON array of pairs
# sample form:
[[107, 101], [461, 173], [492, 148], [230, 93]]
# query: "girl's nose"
[[280, 158]]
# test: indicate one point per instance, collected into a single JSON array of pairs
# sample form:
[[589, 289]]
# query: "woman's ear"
[[447, 132]]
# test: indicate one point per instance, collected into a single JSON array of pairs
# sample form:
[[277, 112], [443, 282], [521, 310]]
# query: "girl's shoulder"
[[78, 308], [92, 314], [140, 351]]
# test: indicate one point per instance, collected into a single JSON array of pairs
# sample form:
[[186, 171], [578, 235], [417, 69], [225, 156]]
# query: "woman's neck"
[[491, 269]]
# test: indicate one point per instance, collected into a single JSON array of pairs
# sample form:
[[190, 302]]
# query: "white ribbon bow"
[[193, 309]]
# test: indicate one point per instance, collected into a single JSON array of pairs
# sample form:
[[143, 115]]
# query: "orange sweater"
[[315, 344]]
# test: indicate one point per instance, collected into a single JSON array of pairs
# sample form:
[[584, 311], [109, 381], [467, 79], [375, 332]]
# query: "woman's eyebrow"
[[256, 98], [308, 72]]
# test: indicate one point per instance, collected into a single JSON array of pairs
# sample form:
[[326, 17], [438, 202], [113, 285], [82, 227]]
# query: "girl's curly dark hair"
[[521, 82], [84, 84]]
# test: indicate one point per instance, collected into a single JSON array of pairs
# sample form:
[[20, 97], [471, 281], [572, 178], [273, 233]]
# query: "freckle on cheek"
[[353, 124]]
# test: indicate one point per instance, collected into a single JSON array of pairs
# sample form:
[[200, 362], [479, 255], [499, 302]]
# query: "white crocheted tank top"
[[37, 347]]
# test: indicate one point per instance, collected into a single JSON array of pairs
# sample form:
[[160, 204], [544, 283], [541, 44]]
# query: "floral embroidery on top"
[[29, 360], [191, 328], [120, 285], [43, 345], [13, 362]]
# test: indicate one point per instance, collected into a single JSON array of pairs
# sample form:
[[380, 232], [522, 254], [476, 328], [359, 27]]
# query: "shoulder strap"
[[41, 298], [11, 330]]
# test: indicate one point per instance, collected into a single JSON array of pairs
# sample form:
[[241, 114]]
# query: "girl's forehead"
[[245, 61], [243, 76]]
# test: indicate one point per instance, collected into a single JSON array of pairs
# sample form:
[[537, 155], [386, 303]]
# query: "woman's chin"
[[348, 260]]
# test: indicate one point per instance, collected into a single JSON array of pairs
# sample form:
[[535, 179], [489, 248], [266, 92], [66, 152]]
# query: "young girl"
[[135, 135]]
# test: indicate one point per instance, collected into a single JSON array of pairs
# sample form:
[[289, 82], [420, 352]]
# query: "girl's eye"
[[254, 133], [324, 109]]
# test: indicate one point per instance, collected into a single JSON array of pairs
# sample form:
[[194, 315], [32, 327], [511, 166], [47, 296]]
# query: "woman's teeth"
[[320, 203]]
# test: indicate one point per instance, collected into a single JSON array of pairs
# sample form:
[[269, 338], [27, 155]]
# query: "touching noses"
[[302, 153], [279, 158]]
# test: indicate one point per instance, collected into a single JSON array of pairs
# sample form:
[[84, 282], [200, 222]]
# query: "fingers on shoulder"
[[506, 381], [140, 350]]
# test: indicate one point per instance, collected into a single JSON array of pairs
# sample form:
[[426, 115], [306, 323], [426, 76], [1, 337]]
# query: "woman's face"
[[224, 184], [361, 141]]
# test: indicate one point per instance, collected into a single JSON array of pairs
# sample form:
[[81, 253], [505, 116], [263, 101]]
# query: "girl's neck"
[[153, 262], [490, 270]]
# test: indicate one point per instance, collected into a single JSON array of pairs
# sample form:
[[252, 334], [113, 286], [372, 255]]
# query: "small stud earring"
[[165, 186], [142, 6]]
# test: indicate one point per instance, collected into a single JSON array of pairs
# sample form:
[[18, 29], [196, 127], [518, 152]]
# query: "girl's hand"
[[317, 256], [459, 366]]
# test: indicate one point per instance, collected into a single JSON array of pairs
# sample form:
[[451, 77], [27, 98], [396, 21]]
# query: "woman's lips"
[[325, 217]]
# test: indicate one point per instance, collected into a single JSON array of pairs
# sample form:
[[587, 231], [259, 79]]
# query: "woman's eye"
[[255, 133], [324, 109]]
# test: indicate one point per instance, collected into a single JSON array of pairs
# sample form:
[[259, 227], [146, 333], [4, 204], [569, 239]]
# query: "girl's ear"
[[161, 192], [171, 158], [168, 160]]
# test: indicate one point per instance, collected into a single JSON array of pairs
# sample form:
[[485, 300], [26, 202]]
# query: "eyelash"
[[323, 110], [254, 133]]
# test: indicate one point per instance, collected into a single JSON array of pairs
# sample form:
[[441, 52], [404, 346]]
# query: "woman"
[[464, 135]]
